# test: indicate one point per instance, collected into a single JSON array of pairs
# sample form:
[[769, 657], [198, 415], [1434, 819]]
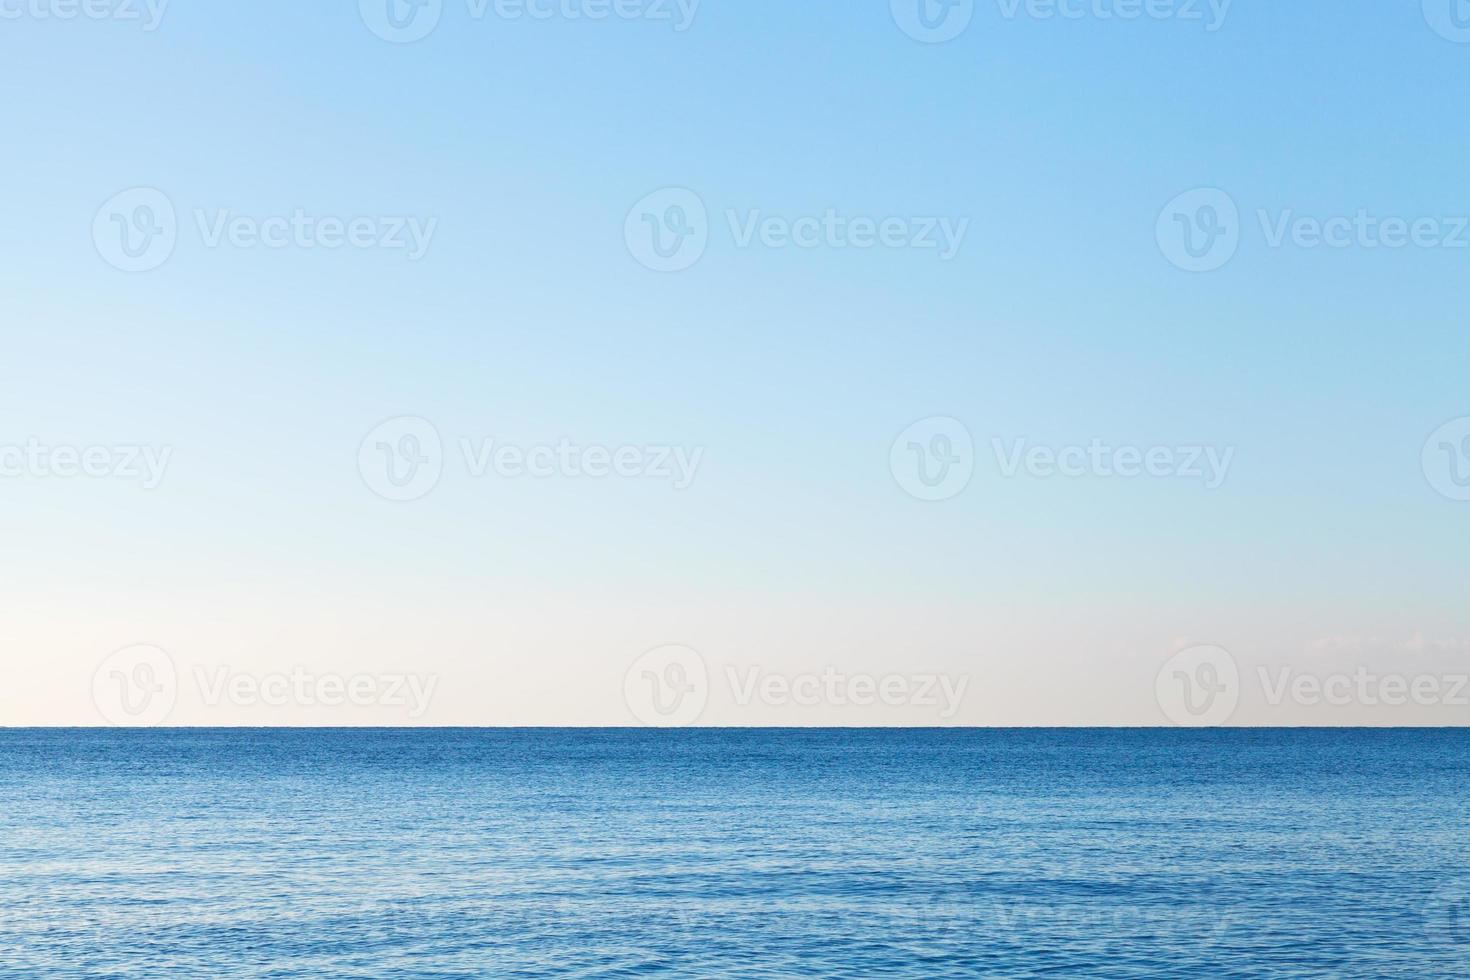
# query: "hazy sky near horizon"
[[782, 271]]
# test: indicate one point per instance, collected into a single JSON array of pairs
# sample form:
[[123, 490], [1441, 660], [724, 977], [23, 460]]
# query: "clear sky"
[[530, 153]]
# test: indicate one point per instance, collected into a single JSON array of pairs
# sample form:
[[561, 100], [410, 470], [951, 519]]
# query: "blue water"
[[735, 853]]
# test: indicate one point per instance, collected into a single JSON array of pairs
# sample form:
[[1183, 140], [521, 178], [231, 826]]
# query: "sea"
[[760, 853]]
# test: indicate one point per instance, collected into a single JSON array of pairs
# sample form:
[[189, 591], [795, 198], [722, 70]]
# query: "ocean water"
[[834, 853]]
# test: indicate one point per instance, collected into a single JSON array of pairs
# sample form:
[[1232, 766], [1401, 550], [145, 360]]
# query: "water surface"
[[755, 853]]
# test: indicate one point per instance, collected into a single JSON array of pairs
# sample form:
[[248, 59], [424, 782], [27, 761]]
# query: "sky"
[[618, 363]]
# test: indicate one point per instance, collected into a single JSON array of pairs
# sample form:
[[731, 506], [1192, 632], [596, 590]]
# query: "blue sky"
[[1059, 321]]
